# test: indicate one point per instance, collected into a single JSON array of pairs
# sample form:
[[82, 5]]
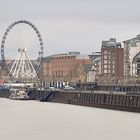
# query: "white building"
[[93, 74], [132, 57]]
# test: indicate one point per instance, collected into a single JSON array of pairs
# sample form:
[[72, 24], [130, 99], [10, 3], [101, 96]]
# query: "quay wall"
[[110, 101], [4, 93]]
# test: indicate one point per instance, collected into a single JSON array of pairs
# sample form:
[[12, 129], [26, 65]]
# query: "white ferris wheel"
[[24, 66]]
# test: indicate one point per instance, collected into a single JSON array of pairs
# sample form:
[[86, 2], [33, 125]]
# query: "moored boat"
[[18, 94]]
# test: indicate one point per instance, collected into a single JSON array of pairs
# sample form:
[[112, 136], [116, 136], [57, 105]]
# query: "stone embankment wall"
[[111, 101], [4, 93]]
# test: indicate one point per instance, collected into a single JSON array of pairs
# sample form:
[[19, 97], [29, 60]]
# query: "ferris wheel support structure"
[[22, 69]]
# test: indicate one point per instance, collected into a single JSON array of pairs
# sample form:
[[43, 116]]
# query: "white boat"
[[18, 94]]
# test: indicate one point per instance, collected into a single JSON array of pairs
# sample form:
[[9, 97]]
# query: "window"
[[113, 62], [105, 61], [105, 56], [105, 71], [56, 73], [113, 66], [113, 71], [108, 71], [105, 66], [105, 51], [61, 73], [113, 56]]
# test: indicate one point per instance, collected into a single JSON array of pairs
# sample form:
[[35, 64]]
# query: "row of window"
[[58, 73], [108, 71], [108, 51], [64, 58], [108, 66], [108, 56], [109, 62]]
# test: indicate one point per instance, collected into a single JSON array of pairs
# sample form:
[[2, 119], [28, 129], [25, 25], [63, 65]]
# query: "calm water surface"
[[32, 120]]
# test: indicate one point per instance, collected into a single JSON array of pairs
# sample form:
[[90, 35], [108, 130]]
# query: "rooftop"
[[111, 43], [76, 55], [132, 40]]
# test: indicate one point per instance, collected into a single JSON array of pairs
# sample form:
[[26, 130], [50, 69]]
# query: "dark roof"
[[87, 67], [96, 60], [48, 58], [111, 43], [137, 38], [136, 58], [94, 56]]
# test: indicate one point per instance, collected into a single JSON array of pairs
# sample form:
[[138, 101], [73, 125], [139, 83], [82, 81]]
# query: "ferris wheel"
[[22, 67]]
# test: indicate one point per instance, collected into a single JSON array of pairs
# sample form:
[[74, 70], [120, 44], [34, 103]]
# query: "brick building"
[[65, 67], [111, 62]]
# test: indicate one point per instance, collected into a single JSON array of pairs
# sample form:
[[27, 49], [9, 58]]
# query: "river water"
[[33, 120]]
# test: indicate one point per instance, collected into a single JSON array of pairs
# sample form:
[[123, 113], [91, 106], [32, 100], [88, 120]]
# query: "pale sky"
[[69, 25]]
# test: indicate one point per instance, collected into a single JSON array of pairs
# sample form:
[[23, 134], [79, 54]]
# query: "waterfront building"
[[83, 71], [132, 59], [68, 68], [111, 62], [95, 72]]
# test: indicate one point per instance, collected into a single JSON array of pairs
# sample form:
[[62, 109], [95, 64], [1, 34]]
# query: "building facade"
[[95, 71], [111, 62], [65, 67], [132, 58]]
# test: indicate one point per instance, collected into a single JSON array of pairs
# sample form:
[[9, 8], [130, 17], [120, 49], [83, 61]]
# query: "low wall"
[[4, 93], [103, 100]]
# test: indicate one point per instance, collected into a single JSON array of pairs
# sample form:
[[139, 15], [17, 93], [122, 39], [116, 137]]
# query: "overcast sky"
[[71, 25]]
